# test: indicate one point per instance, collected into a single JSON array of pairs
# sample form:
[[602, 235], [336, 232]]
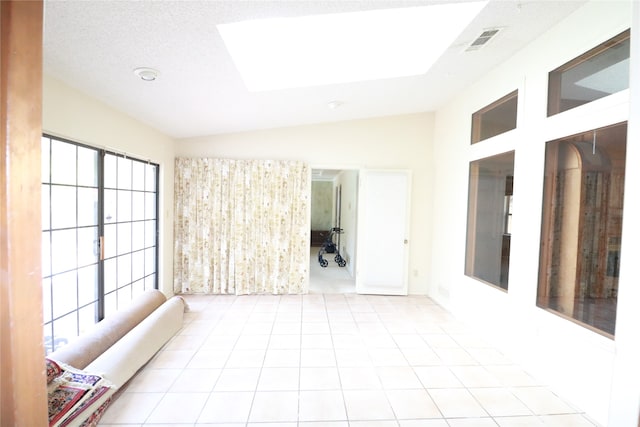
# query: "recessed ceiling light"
[[335, 104], [335, 48], [146, 74]]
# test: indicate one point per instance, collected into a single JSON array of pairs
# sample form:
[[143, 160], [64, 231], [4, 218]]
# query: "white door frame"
[[346, 168]]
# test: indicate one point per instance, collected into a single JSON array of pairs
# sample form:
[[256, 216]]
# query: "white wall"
[[398, 142], [625, 398], [576, 362], [348, 179], [71, 114]]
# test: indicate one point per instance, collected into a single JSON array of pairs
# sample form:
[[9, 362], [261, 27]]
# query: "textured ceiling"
[[95, 45]]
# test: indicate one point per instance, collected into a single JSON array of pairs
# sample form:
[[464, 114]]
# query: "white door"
[[383, 230]]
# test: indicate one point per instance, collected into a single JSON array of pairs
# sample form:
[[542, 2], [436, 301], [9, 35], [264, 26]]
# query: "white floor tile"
[[238, 379], [387, 357], [324, 424], [195, 380], [319, 378], [423, 423], [412, 404], [274, 406], [348, 341], [437, 377], [542, 401], [246, 359], [344, 326], [227, 407], [440, 341], [472, 422], [568, 420], [260, 424], [398, 377], [315, 327], [489, 356], [371, 423], [317, 358], [322, 406], [367, 405], [282, 358], [185, 342], [286, 328], [284, 342], [131, 408], [352, 357], [323, 341], [521, 421], [512, 376], [454, 403], [178, 408], [359, 378], [475, 376], [421, 357], [499, 402], [209, 359], [153, 380], [405, 341], [279, 379], [323, 360], [171, 359], [377, 339], [455, 356], [252, 342], [219, 342]]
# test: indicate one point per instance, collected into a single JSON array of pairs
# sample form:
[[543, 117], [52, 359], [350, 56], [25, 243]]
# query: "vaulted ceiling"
[[94, 46]]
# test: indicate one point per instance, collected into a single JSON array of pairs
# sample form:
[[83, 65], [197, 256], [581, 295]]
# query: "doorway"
[[334, 195]]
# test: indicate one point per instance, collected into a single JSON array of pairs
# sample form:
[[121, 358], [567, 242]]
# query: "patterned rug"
[[76, 398]]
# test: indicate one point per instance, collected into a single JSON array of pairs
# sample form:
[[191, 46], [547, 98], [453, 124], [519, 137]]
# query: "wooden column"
[[23, 394]]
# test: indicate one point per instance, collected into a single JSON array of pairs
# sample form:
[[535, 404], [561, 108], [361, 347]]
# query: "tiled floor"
[[332, 360], [331, 279]]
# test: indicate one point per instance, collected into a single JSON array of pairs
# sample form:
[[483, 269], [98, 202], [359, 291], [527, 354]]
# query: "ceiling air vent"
[[482, 40]]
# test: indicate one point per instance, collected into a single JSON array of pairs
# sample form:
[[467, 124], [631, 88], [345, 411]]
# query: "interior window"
[[597, 73], [582, 226], [489, 219], [496, 118]]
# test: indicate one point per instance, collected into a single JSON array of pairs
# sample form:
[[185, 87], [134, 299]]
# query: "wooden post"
[[23, 394]]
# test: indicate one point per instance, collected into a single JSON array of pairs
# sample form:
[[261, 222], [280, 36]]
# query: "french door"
[[99, 235]]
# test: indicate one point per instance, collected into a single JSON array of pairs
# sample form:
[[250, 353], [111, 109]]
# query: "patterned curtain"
[[241, 226]]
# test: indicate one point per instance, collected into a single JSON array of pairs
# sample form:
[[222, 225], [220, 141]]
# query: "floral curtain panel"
[[241, 226]]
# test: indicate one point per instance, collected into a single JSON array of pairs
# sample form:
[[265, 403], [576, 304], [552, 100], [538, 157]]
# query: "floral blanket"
[[76, 398]]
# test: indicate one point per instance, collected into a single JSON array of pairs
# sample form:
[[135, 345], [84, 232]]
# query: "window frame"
[[554, 89], [50, 272], [549, 226], [476, 118], [499, 220]]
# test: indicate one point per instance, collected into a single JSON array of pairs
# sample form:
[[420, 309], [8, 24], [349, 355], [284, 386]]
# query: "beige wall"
[[398, 142], [69, 113], [559, 352], [321, 205]]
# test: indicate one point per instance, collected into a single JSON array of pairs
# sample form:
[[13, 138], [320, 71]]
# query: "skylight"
[[282, 53]]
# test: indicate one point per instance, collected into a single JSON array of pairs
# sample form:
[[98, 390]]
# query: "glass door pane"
[[130, 205], [99, 233]]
